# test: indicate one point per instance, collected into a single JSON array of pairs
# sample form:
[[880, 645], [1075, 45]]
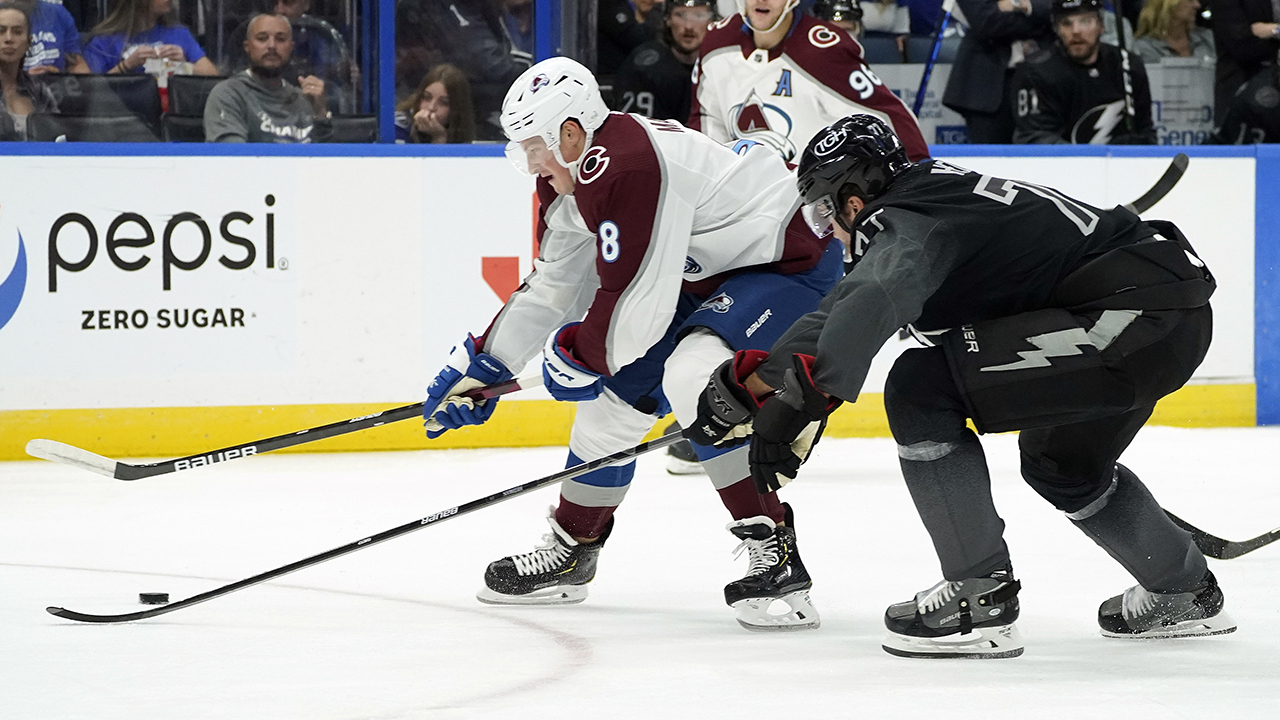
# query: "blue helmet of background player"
[[1062, 8], [854, 156]]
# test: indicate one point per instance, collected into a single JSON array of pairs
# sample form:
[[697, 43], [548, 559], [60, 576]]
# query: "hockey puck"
[[153, 598]]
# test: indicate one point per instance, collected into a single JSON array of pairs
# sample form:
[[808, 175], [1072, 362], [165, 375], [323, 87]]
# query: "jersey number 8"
[[609, 247]]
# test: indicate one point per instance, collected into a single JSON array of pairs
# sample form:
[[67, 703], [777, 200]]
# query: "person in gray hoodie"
[[257, 105]]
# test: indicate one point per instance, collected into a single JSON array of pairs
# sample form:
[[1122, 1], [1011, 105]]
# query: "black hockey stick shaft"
[[1126, 73], [61, 452], [615, 459], [1220, 549], [1177, 168]]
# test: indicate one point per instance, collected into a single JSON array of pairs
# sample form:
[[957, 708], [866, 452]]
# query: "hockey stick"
[[944, 17], [59, 452], [1219, 549], [1126, 75], [1162, 187], [455, 511]]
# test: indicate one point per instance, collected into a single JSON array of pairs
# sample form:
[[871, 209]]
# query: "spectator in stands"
[[1073, 91], [55, 41], [888, 17], [1167, 28], [318, 49], [468, 34], [1002, 33], [657, 78], [1247, 35], [623, 26], [844, 14], [519, 20], [439, 111], [1253, 116], [20, 94], [257, 105], [140, 30]]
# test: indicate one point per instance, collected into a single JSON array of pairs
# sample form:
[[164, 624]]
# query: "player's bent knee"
[[687, 370], [921, 399]]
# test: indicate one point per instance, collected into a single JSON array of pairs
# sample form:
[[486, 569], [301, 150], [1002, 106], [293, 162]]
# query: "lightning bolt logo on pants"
[[1067, 343]]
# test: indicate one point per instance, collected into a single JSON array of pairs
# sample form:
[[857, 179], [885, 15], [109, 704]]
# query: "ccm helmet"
[[859, 151], [838, 10], [542, 98]]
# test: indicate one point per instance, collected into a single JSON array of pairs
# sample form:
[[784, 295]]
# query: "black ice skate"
[[681, 459], [1139, 613], [775, 573], [555, 573], [971, 618]]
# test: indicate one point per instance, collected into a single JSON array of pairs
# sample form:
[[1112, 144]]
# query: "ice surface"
[[394, 631]]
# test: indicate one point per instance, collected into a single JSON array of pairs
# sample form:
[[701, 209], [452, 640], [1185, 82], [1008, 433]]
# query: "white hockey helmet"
[[742, 10], [542, 98]]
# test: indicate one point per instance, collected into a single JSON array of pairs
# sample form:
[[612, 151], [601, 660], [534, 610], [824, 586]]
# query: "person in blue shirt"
[[55, 41], [139, 30]]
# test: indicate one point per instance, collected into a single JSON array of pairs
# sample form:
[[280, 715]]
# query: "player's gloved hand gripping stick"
[[448, 407]]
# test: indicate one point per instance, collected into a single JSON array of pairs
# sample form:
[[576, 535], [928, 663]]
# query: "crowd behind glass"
[[145, 70]]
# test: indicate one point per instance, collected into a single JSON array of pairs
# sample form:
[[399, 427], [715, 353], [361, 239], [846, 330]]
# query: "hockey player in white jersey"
[[661, 253], [776, 76]]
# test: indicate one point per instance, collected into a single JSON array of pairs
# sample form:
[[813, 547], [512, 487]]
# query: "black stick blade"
[[125, 617], [1162, 187]]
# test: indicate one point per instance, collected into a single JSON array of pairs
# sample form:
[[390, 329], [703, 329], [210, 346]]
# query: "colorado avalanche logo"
[[691, 266], [768, 124], [720, 303], [594, 162], [823, 37], [538, 83]]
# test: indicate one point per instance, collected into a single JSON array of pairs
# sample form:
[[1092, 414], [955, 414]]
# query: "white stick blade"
[[58, 452]]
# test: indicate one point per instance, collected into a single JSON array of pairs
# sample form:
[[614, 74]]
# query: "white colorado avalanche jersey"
[[784, 96], [657, 209]]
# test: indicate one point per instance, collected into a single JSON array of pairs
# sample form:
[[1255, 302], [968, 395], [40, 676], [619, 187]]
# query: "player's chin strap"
[[784, 15], [573, 166]]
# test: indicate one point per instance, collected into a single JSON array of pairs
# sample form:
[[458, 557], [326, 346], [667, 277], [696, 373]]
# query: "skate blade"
[[986, 643], [754, 613], [561, 595], [676, 466], [1220, 624]]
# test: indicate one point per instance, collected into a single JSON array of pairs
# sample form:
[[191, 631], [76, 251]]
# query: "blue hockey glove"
[[567, 379], [787, 427], [444, 408]]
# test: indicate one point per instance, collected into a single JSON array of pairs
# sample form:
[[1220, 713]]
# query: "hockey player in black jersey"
[[1043, 314], [656, 79], [1073, 91]]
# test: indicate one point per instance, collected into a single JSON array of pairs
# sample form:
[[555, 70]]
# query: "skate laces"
[[1137, 601], [762, 554], [936, 596], [547, 556]]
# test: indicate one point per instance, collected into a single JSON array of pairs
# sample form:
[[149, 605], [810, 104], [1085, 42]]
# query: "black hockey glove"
[[787, 427], [726, 407]]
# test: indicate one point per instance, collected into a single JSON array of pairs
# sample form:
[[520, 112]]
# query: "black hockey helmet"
[[1062, 8], [857, 155], [838, 10], [670, 5]]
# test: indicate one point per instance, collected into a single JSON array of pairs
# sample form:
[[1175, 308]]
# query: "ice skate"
[[555, 573], [681, 459], [1139, 613], [971, 618], [775, 575]]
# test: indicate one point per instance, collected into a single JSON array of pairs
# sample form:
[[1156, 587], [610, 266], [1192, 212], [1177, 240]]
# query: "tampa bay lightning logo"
[[14, 285], [720, 303], [691, 266], [538, 83]]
